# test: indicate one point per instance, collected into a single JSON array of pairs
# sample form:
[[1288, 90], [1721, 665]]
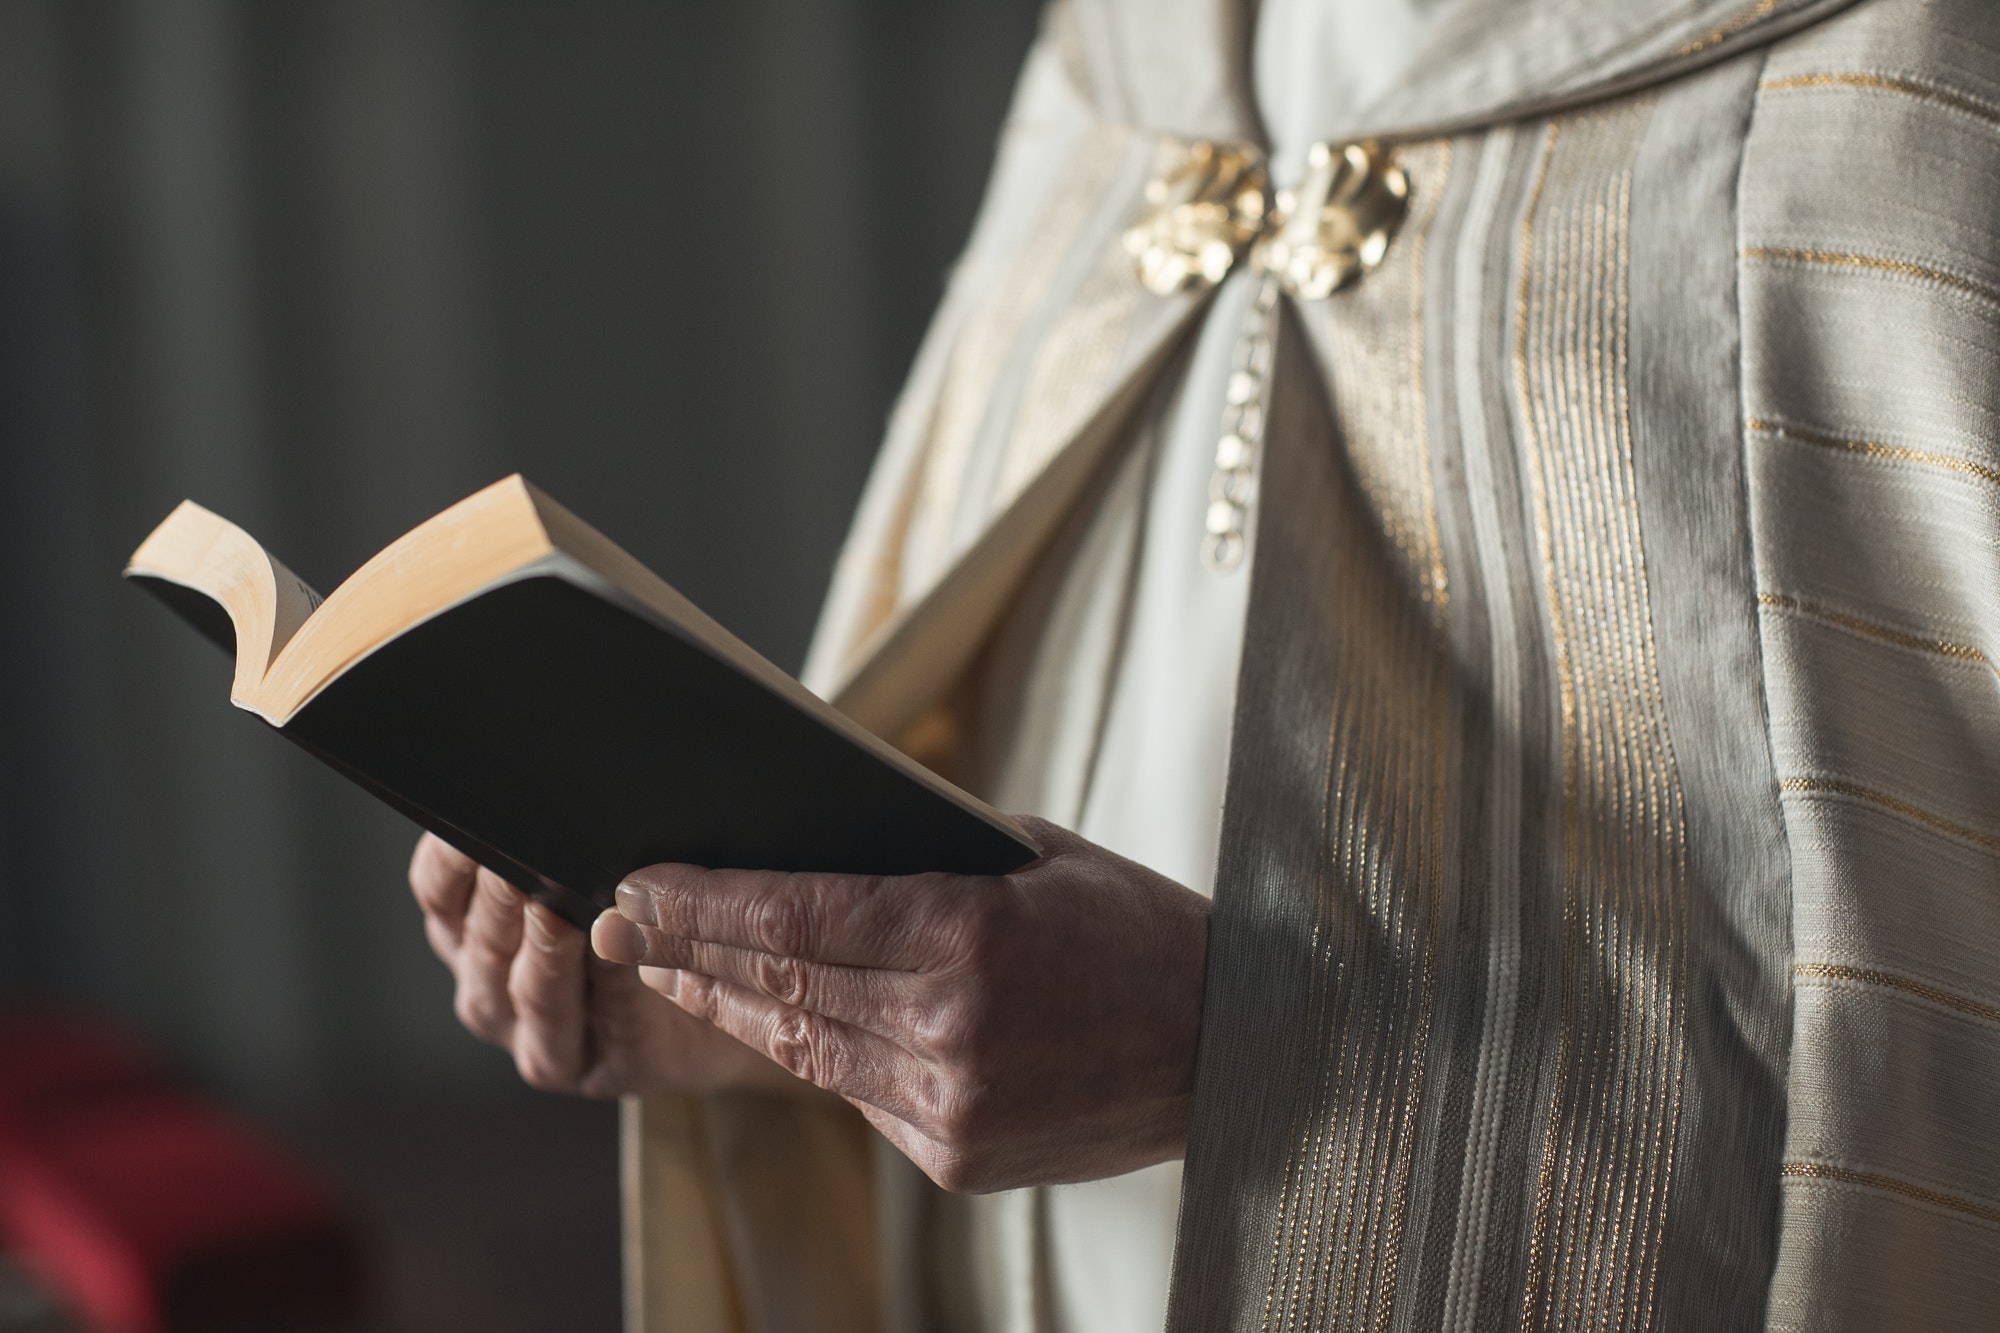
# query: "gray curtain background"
[[327, 266]]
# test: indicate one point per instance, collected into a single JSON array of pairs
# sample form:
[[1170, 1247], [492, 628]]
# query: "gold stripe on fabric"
[[1545, 1177], [986, 344], [1869, 976], [1816, 786], [1077, 356], [1729, 29], [1339, 1225], [1373, 396], [1871, 629], [1847, 259], [1608, 1156], [1892, 1184], [1887, 83], [1891, 453], [1433, 167]]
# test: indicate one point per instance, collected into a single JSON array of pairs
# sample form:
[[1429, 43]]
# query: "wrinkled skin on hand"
[[573, 1023], [1001, 1031]]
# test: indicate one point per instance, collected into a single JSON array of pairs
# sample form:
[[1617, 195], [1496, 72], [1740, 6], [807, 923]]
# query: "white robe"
[[1104, 706], [1605, 902]]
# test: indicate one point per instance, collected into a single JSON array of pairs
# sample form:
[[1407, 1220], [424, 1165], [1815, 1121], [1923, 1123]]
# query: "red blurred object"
[[150, 1209]]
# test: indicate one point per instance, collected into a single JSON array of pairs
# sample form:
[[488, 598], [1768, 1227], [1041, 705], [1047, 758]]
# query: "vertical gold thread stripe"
[[1372, 339], [1817, 786], [1338, 1231], [1875, 1180], [1888, 83], [1608, 1152], [1545, 1176], [1436, 591]]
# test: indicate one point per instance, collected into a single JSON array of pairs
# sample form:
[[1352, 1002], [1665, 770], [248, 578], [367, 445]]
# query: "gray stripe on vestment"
[[1720, 1238], [1501, 857], [1434, 1212], [1272, 874]]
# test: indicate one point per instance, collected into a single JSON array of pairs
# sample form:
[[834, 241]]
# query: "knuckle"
[[484, 949], [957, 1033], [443, 943], [983, 927], [540, 1072], [951, 1032], [532, 1002], [960, 1119], [690, 993], [435, 903], [480, 1013], [798, 1048], [429, 869], [782, 978], [954, 1171], [780, 923], [699, 996]]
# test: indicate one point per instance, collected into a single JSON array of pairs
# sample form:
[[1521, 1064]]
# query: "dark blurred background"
[[327, 266]]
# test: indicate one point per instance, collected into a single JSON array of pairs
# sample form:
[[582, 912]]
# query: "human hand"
[[573, 1023], [1001, 1031]]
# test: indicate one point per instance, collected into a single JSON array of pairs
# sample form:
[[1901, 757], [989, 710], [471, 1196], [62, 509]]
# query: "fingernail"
[[667, 981], [636, 904], [618, 940]]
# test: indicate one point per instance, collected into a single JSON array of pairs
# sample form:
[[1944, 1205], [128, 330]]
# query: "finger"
[[635, 1034], [486, 957], [860, 920], [443, 940], [442, 878], [858, 1065], [546, 988], [884, 1002]]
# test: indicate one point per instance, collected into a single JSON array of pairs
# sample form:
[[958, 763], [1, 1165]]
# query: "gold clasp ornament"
[[1206, 212], [1338, 222]]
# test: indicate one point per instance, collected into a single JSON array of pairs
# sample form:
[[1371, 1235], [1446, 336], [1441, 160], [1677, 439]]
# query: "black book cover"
[[565, 735]]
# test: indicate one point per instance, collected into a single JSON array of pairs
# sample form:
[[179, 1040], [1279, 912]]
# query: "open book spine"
[[234, 593], [220, 580]]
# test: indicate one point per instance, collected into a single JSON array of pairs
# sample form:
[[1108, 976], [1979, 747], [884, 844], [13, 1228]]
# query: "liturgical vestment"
[[1506, 493]]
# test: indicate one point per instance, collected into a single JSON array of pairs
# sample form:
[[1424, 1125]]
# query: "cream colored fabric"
[[1602, 926], [1872, 315], [1103, 704]]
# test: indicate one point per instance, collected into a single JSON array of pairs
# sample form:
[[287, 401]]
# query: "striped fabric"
[[1871, 387], [1607, 920], [1701, 1028]]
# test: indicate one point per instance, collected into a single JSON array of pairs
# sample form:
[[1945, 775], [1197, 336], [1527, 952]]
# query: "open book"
[[510, 679]]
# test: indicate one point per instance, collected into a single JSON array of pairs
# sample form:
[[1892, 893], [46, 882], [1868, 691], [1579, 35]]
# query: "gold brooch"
[[1206, 212], [1338, 222]]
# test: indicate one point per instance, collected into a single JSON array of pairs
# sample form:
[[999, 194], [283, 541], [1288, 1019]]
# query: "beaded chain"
[[1310, 240], [1246, 400]]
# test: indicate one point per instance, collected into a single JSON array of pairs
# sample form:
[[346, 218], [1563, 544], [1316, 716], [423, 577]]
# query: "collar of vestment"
[[1402, 69], [1275, 78]]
